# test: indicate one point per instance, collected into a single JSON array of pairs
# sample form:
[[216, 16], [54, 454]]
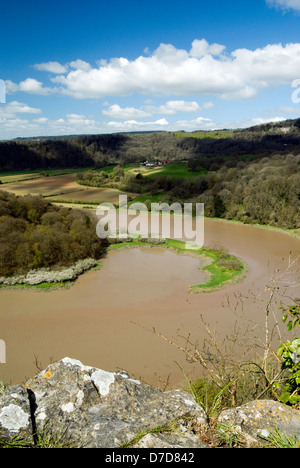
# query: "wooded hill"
[[35, 234], [213, 148], [250, 175]]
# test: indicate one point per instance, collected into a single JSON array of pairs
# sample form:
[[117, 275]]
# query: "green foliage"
[[35, 234], [223, 268], [289, 351], [280, 440]]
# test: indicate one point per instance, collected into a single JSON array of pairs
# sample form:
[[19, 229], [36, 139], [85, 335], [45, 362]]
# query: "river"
[[108, 317]]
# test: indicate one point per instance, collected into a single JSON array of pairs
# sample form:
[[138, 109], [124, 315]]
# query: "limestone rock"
[[261, 418], [103, 409], [181, 438], [90, 407], [15, 414]]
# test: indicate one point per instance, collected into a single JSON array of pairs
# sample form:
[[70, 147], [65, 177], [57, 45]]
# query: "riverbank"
[[220, 268], [45, 279]]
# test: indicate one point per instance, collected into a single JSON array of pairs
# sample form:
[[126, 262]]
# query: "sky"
[[72, 67]]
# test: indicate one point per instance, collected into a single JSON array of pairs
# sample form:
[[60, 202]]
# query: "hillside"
[[251, 175], [91, 150]]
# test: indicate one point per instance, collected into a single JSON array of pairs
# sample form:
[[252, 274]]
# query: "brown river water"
[[107, 318]]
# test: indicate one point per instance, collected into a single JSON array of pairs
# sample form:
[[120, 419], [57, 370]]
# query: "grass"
[[41, 286], [151, 198], [177, 170], [220, 436], [217, 134], [49, 172], [44, 439], [278, 440], [172, 426], [224, 268]]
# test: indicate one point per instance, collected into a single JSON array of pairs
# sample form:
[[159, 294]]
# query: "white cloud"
[[12, 125], [208, 105], [29, 85], [9, 111], [41, 120], [285, 4], [173, 107], [202, 47], [80, 121], [80, 65], [53, 67], [250, 122], [131, 125], [204, 70], [126, 113], [200, 123], [169, 108]]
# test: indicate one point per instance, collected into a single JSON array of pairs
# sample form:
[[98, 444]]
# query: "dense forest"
[[213, 148], [35, 234]]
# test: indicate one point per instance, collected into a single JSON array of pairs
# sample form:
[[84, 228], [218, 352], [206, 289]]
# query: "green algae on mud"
[[221, 268]]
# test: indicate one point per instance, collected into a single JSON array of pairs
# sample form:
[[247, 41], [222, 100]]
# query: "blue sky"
[[100, 67]]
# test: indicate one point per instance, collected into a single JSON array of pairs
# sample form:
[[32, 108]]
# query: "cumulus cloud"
[[10, 111], [200, 123], [204, 70], [52, 67], [13, 124], [58, 69], [80, 65], [169, 108], [202, 47], [30, 85], [131, 125], [285, 4], [126, 113], [173, 107], [80, 121]]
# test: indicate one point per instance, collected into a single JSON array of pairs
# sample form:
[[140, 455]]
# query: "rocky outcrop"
[[93, 408], [261, 419]]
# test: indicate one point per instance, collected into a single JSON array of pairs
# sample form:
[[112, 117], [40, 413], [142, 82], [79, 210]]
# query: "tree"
[[219, 207]]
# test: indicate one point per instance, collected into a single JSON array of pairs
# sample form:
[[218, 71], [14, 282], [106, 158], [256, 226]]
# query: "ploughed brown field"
[[63, 188]]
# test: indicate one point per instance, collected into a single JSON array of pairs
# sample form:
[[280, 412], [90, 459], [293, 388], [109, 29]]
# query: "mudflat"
[[108, 317]]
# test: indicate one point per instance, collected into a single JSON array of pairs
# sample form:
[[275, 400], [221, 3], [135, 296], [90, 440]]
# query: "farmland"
[[58, 187], [85, 188]]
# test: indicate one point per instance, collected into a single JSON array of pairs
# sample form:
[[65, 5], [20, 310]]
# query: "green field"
[[177, 170], [217, 134]]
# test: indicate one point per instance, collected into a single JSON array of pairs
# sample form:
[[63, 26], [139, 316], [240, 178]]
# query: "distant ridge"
[[82, 151], [289, 126]]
